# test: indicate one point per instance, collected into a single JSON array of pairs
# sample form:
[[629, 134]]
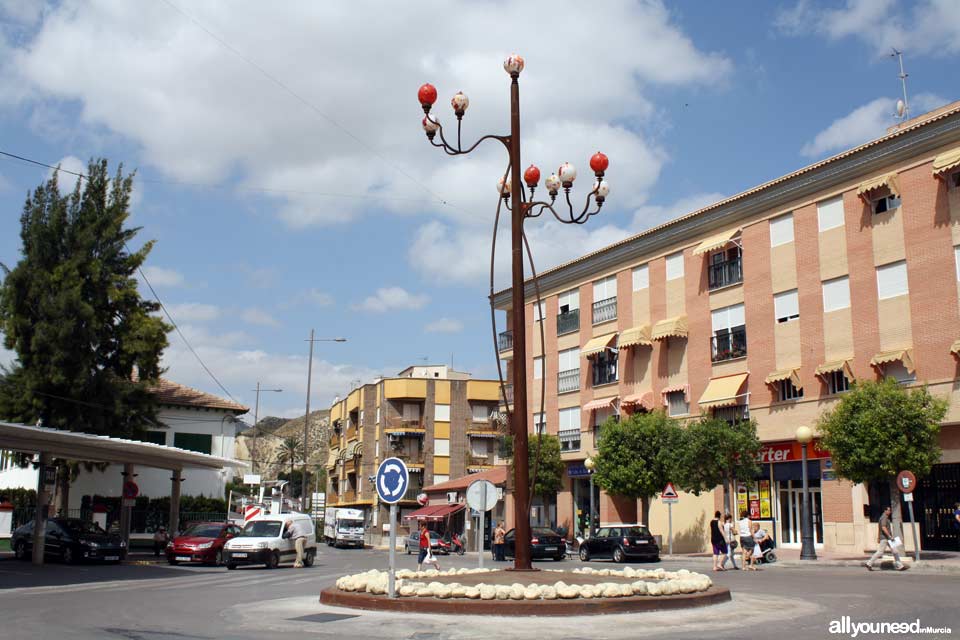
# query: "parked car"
[[412, 543], [620, 543], [266, 540], [544, 543], [70, 540], [201, 542]]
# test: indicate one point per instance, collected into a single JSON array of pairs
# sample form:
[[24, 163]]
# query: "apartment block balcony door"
[[790, 509]]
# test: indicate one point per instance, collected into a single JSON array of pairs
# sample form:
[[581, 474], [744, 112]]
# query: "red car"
[[201, 542]]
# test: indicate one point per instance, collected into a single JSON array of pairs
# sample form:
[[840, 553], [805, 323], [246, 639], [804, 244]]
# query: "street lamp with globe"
[[590, 464], [804, 436]]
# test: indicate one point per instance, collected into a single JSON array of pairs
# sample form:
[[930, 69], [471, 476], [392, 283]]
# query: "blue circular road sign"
[[392, 480]]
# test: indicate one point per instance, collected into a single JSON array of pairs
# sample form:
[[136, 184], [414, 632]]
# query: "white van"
[[264, 541]]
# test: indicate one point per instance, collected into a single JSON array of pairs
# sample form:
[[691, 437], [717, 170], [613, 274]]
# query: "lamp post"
[[807, 551], [306, 417], [509, 186], [256, 419], [590, 464]]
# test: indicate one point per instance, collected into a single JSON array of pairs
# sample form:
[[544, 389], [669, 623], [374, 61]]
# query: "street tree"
[[290, 452], [716, 453], [879, 429], [638, 456], [545, 464]]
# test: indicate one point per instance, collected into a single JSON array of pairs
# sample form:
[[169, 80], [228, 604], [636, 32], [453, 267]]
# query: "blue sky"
[[283, 172]]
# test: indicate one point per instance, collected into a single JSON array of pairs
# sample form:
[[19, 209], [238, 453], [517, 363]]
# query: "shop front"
[[579, 477]]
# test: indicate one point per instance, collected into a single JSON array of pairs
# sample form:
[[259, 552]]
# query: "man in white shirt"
[[298, 532]]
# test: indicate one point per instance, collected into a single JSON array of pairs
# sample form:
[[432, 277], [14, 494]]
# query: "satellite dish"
[[901, 108]]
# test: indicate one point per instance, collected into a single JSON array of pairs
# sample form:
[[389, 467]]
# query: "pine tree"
[[88, 346]]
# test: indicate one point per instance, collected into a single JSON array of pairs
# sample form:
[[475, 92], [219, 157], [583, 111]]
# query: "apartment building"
[[767, 305], [435, 419]]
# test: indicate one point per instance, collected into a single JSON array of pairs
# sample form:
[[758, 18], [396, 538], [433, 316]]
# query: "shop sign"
[[577, 471], [828, 475], [789, 452]]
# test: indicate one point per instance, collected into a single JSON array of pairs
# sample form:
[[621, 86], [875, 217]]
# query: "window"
[[569, 359], [786, 306], [441, 447], [605, 300], [438, 478], [600, 416], [156, 437], [836, 294], [675, 265], [788, 391], [736, 413], [569, 429], [568, 320], [605, 288], [480, 412], [539, 424], [898, 372], [885, 203], [538, 368], [892, 280], [729, 333], [569, 300], [781, 230], [677, 404], [641, 278], [539, 309], [955, 180], [725, 268], [830, 213], [441, 412], [605, 367], [837, 382], [568, 376], [199, 442], [411, 412]]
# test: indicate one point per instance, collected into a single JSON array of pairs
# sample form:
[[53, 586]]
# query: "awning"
[[644, 399], [716, 242], [836, 365], [635, 336], [723, 392], [889, 181], [685, 388], [435, 512], [669, 328], [598, 344], [955, 348], [946, 162], [885, 357], [506, 355], [784, 374], [601, 403], [331, 459]]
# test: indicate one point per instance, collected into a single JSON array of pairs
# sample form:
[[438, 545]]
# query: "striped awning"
[[356, 450], [716, 242], [635, 336], [889, 181], [784, 374], [670, 328], [946, 162], [600, 403], [723, 392], [598, 344], [955, 348], [644, 400], [685, 388], [905, 356], [836, 365]]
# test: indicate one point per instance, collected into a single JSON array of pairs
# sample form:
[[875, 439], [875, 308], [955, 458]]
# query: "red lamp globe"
[[531, 176], [599, 163], [427, 95]]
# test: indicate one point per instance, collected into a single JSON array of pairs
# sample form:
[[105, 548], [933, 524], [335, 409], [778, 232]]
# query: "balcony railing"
[[722, 274], [348, 496], [568, 380], [508, 390], [729, 345], [480, 461], [505, 341], [351, 432], [412, 493], [605, 310], [568, 322]]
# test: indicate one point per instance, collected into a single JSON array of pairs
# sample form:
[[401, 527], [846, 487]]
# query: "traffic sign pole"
[[392, 580], [670, 525], [396, 468]]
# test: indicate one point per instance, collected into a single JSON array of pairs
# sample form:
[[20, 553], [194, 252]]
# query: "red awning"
[[602, 403], [435, 512]]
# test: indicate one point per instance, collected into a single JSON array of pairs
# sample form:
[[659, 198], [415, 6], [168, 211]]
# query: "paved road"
[[200, 603]]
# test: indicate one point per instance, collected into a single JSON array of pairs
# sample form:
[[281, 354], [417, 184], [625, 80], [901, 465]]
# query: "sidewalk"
[[947, 561]]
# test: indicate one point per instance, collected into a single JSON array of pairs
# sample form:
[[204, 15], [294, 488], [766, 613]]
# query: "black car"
[[621, 543], [544, 543], [70, 540]]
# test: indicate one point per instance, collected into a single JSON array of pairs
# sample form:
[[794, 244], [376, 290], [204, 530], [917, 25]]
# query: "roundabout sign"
[[392, 480]]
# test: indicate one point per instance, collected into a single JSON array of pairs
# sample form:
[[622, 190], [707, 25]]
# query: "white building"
[[187, 419]]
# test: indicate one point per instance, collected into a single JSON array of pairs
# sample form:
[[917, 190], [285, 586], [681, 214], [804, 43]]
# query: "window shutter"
[[786, 304], [641, 278], [675, 266], [892, 280], [830, 213], [781, 230], [836, 294]]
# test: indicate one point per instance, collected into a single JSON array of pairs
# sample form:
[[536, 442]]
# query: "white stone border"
[[657, 582]]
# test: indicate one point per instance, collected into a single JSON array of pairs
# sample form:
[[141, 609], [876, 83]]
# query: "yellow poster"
[[765, 507], [741, 499]]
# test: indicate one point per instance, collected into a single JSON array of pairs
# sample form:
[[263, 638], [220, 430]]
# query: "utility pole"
[[256, 419], [306, 417]]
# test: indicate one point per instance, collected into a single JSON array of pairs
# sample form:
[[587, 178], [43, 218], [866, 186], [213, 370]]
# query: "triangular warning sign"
[[669, 491]]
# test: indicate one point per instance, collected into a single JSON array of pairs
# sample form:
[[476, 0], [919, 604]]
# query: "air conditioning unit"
[[452, 497]]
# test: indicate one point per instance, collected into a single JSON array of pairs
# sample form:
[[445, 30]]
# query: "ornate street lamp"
[[509, 188], [591, 465], [807, 550]]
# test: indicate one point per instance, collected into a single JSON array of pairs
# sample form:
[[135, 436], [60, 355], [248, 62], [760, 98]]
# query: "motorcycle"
[[453, 544]]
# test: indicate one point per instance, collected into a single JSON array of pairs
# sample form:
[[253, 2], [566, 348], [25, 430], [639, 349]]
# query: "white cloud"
[[864, 123], [444, 325], [929, 27], [68, 181], [259, 317], [193, 312], [390, 298], [161, 277], [320, 298]]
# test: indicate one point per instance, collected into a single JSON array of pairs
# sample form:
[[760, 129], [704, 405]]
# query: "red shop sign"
[[790, 452]]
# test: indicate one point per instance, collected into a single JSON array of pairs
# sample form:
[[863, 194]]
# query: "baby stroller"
[[768, 552]]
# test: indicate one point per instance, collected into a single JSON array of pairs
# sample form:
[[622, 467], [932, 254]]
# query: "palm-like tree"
[[290, 452]]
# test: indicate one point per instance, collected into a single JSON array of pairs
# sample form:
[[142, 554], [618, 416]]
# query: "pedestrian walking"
[[426, 553], [885, 540], [729, 534], [718, 542], [498, 537], [745, 529]]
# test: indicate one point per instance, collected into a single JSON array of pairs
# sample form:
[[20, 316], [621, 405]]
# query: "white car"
[[265, 541]]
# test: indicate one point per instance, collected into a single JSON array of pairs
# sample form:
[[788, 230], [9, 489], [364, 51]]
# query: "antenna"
[[903, 107]]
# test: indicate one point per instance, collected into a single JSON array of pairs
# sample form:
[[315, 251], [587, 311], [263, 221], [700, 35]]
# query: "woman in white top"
[[746, 541], [731, 541]]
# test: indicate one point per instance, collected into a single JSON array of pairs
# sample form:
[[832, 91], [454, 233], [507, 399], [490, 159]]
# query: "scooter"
[[456, 545]]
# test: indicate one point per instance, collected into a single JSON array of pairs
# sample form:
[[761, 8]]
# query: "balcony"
[[568, 381], [726, 273], [605, 310], [568, 322], [508, 390], [729, 345], [480, 461], [352, 432], [505, 341], [348, 496], [411, 494]]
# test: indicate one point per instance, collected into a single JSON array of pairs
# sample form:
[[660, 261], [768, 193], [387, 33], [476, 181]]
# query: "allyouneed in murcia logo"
[[847, 626]]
